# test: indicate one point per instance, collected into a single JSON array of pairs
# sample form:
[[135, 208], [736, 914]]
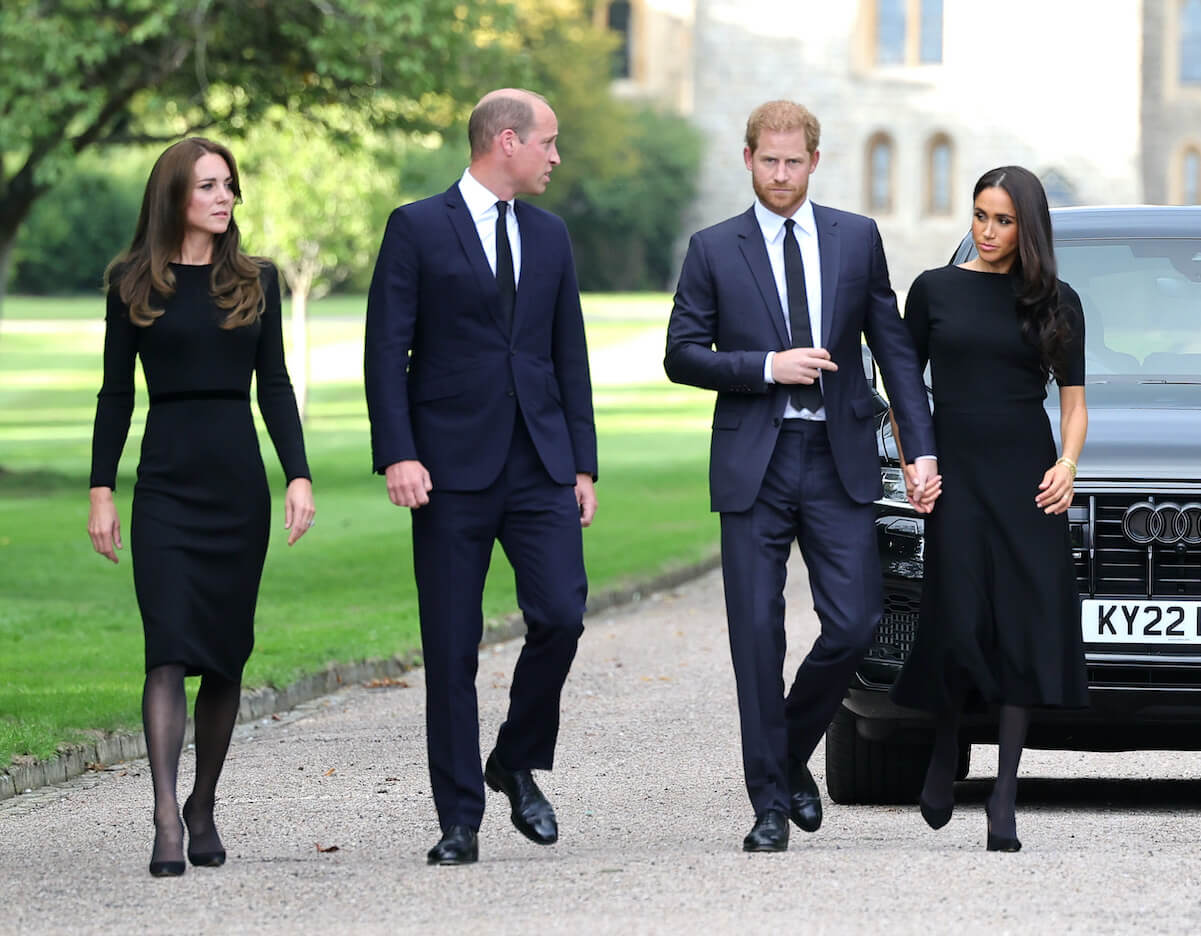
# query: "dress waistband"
[[182, 396]]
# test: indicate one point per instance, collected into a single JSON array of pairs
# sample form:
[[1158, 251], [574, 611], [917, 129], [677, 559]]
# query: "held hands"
[[409, 483], [585, 496], [103, 526], [923, 484], [1055, 491], [298, 508], [800, 365]]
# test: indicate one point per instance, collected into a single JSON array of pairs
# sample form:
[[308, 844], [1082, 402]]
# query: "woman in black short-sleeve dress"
[[203, 317], [1000, 607]]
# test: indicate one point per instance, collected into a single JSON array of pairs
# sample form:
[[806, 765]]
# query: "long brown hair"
[[142, 273]]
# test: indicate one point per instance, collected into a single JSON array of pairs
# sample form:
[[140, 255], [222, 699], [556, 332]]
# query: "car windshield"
[[1142, 305]]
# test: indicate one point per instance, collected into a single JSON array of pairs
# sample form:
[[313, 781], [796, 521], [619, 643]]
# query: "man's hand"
[[923, 484], [409, 483], [585, 496], [800, 365]]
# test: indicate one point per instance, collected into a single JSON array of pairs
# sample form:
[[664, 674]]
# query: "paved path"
[[652, 809]]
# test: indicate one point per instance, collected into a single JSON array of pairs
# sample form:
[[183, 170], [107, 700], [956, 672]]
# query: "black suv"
[[1135, 521]]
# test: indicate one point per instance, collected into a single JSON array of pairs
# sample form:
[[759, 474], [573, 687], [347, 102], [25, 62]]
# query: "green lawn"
[[70, 636]]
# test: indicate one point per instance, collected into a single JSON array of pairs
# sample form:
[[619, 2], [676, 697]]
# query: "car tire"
[[863, 771]]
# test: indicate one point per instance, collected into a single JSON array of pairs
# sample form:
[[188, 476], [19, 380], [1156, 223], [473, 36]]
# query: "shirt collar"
[[771, 223], [478, 198]]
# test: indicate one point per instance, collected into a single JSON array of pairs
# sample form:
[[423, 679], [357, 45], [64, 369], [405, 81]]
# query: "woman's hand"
[[298, 508], [1055, 491], [103, 526], [921, 493]]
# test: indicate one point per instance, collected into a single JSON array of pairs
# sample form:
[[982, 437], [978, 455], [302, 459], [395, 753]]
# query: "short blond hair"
[[781, 117]]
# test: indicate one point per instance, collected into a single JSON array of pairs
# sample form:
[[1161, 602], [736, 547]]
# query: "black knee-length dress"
[[201, 505], [1000, 605]]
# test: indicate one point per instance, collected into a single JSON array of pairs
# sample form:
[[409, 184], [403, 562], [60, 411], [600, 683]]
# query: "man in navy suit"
[[480, 404], [769, 312]]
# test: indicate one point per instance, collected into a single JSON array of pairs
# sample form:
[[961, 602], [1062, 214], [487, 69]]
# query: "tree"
[[315, 208], [81, 74]]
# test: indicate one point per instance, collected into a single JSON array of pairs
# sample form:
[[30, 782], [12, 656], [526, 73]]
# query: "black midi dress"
[[201, 505], [1000, 606]]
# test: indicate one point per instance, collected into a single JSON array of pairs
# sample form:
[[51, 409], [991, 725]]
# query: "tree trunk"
[[298, 361], [8, 239]]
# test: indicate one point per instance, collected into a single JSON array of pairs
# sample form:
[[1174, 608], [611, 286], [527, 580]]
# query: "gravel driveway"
[[326, 814]]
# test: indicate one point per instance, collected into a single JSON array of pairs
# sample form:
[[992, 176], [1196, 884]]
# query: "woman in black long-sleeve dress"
[[203, 316], [1000, 607]]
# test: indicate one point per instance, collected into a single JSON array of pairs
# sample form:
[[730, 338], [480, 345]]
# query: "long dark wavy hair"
[[142, 272], [1044, 323]]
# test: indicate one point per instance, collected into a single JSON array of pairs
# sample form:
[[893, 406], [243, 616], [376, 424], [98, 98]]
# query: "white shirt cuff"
[[767, 367]]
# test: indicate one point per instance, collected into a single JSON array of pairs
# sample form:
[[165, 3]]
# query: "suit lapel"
[[531, 247], [828, 247], [469, 239], [750, 242]]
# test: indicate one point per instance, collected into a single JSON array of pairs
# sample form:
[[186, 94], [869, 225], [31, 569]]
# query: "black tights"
[[164, 719], [938, 790]]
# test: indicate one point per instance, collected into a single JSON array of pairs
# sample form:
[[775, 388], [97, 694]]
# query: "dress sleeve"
[[917, 319], [1073, 358], [277, 402], [114, 403]]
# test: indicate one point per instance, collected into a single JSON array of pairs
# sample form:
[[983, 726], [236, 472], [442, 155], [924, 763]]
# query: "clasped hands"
[[923, 484], [409, 485]]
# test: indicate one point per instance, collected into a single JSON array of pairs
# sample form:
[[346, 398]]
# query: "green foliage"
[[77, 228], [75, 74]]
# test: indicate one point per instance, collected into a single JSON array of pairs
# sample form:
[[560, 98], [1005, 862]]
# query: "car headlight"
[[894, 485]]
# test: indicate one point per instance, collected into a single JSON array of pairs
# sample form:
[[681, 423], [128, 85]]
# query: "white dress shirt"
[[481, 203], [805, 231]]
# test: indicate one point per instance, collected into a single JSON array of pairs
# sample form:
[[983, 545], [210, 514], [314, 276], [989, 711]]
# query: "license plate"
[[1141, 622]]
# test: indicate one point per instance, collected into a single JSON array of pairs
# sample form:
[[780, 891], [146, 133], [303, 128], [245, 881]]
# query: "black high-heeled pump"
[[936, 816], [160, 868], [999, 843], [201, 859]]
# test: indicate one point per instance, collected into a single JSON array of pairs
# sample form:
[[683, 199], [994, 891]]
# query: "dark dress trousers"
[[500, 414], [775, 480]]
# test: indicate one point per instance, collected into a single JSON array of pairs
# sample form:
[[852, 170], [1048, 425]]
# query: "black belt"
[[182, 396], [797, 424]]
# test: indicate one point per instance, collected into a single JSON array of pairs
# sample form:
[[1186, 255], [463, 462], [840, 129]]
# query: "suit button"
[[509, 393], [512, 354], [776, 421]]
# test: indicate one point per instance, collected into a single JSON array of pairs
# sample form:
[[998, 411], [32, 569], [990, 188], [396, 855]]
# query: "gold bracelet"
[[1071, 465]]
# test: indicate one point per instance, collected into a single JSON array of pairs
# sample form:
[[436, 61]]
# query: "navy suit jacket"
[[445, 378], [727, 316]]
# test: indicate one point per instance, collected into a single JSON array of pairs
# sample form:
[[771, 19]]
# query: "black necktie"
[[804, 396], [506, 282]]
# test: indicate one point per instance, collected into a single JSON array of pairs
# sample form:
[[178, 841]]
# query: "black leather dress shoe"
[[805, 802], [459, 845], [770, 833], [532, 813]]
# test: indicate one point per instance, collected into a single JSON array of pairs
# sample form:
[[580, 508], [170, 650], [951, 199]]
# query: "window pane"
[[1192, 177], [881, 176], [619, 22], [940, 178], [1142, 306], [1190, 42], [890, 32], [931, 37]]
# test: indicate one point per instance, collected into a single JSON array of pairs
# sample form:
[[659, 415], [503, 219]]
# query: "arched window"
[[1190, 42], [618, 19], [1190, 176], [880, 170], [938, 175]]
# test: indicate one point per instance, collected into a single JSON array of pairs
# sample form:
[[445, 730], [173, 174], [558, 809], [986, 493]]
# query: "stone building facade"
[[918, 97]]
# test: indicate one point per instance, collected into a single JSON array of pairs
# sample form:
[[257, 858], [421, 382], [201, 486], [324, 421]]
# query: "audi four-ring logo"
[[1165, 523]]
